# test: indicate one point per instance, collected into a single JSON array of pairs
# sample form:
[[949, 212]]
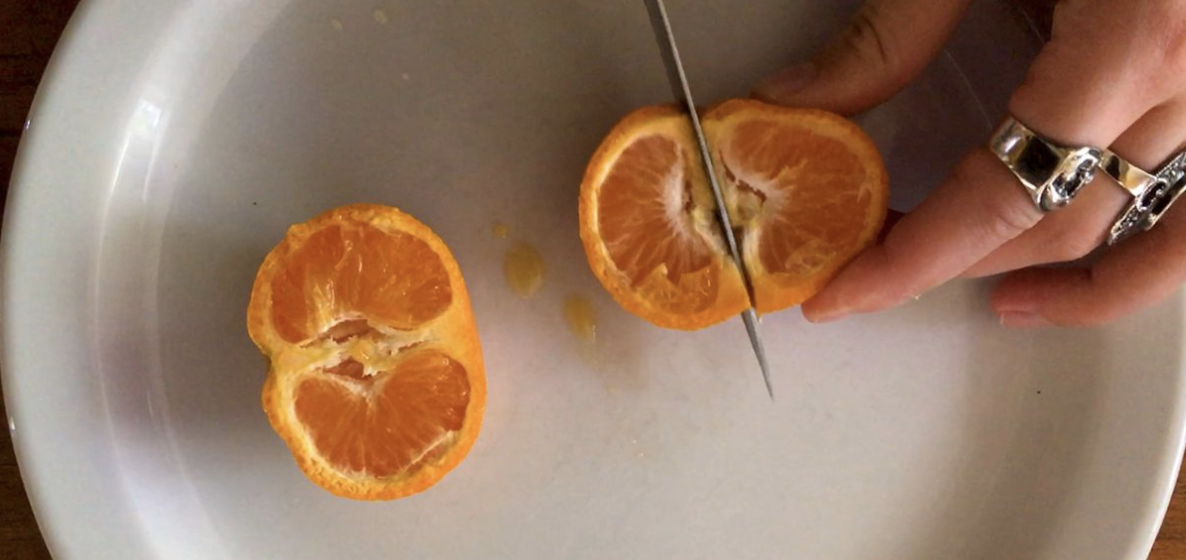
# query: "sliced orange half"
[[806, 191], [376, 380]]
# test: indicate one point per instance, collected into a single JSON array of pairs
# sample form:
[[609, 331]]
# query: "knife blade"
[[678, 79]]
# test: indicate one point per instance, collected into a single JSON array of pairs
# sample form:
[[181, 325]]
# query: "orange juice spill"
[[524, 269], [582, 320], [500, 231]]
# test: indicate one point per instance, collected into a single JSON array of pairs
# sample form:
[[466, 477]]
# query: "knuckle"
[[1006, 213], [1145, 57], [1068, 244], [1008, 220], [1165, 22], [868, 37], [1156, 48], [1169, 39], [1044, 73]]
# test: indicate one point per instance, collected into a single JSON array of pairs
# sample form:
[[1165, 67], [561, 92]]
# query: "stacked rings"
[[1053, 174]]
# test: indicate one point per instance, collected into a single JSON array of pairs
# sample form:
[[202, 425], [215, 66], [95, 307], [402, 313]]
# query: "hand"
[[1112, 75]]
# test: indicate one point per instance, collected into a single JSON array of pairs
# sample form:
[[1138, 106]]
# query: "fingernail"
[[828, 316], [787, 82], [1023, 320]]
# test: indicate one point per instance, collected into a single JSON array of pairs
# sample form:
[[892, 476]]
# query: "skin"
[[1113, 74]]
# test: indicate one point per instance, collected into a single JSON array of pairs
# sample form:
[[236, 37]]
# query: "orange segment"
[[806, 188], [425, 396], [346, 270], [806, 191], [376, 382], [648, 226]]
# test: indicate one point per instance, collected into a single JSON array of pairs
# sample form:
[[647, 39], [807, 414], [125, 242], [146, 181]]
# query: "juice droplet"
[[336, 24], [500, 230], [380, 17], [524, 269], [581, 317]]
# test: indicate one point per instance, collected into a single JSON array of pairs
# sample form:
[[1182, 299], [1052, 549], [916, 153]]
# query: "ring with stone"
[[1051, 173], [1153, 193]]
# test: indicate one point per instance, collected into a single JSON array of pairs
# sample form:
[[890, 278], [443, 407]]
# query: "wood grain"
[[28, 31], [1171, 541]]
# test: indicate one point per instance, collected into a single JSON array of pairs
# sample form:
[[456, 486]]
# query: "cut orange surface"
[[806, 191], [376, 380]]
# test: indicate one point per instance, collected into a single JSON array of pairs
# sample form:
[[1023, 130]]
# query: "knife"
[[678, 79]]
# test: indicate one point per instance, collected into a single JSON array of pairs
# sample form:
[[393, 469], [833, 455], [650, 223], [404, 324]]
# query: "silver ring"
[[1051, 173], [1130, 177], [1152, 202]]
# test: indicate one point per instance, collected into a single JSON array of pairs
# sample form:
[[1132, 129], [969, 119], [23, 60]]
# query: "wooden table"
[[28, 31]]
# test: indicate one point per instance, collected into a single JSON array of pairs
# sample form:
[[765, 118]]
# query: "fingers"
[[967, 217], [1137, 273], [887, 45], [1079, 229], [1069, 234], [1148, 267], [1133, 54], [1070, 97]]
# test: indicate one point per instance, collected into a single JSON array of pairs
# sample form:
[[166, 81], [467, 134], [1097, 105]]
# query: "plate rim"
[[45, 126]]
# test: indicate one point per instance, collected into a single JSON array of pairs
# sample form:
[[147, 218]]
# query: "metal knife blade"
[[678, 79]]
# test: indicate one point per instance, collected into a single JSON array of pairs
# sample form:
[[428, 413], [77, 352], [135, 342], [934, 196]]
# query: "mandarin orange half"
[[376, 380], [806, 191]]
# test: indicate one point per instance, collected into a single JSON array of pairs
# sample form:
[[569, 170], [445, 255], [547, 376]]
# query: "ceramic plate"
[[174, 141]]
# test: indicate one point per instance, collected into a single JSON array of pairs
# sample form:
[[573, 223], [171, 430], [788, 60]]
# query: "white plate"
[[176, 139]]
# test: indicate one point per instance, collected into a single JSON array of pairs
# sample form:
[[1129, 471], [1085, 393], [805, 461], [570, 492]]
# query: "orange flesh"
[[645, 221], [390, 403], [346, 272], [804, 202], [806, 192], [384, 424]]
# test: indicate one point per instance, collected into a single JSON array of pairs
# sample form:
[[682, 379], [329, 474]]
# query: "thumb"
[[888, 43]]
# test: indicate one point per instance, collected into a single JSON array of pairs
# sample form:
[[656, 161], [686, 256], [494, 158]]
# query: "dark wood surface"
[[28, 31]]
